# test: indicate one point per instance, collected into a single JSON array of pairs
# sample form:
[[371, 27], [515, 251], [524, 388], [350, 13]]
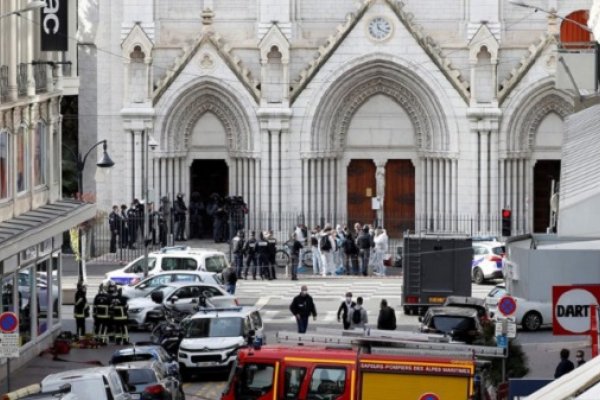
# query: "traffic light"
[[506, 222]]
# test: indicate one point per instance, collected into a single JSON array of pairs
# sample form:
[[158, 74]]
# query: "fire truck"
[[361, 366]]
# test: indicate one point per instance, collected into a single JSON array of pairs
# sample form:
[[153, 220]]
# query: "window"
[[27, 291], [156, 281], [186, 278], [213, 327], [327, 383], [255, 380], [22, 160], [39, 154], [4, 163], [138, 266], [7, 293], [185, 264], [139, 378], [215, 263], [256, 320], [293, 382]]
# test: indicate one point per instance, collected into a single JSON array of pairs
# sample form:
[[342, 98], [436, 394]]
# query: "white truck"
[[535, 263]]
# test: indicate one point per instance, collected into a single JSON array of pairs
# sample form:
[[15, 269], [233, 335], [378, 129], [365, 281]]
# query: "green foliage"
[[516, 363]]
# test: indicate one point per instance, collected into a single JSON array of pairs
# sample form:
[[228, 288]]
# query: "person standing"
[[262, 251], [387, 317], [364, 243], [344, 310], [295, 251], [565, 365], [114, 223], [81, 309], [250, 252], [118, 313], [327, 247], [381, 247], [196, 216], [124, 232], [272, 251], [350, 255], [133, 221], [179, 211], [316, 253], [302, 308], [301, 234], [230, 278], [237, 245], [579, 355], [358, 315]]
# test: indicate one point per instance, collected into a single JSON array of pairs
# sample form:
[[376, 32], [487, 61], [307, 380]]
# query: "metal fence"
[[129, 242]]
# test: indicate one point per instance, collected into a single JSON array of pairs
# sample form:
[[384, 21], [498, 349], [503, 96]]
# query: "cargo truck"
[[435, 267]]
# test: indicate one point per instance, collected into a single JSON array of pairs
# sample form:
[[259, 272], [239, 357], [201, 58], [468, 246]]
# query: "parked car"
[[178, 258], [211, 338], [148, 380], [144, 287], [488, 261], [530, 315], [181, 296], [474, 303], [461, 324], [145, 353], [103, 382], [42, 291]]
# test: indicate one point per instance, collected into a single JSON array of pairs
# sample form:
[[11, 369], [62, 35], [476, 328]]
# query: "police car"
[[488, 261], [211, 337], [177, 258]]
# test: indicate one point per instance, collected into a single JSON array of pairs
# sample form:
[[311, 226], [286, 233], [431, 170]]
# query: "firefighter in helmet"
[[118, 314], [101, 312]]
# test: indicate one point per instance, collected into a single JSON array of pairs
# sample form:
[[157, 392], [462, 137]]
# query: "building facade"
[[426, 115], [33, 215]]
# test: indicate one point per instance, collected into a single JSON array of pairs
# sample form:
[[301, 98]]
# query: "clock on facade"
[[380, 28]]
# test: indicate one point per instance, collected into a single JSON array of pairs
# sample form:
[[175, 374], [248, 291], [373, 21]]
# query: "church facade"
[[425, 115]]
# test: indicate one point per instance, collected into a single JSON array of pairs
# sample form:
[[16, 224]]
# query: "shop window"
[[26, 283], [22, 160], [56, 276], [327, 382], [46, 295], [39, 155], [7, 293], [4, 165]]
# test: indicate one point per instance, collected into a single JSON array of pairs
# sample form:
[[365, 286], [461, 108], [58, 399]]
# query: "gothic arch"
[[348, 93], [196, 100], [534, 108]]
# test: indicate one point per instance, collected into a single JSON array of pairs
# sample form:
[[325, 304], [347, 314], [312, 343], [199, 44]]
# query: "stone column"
[[137, 164], [380, 187]]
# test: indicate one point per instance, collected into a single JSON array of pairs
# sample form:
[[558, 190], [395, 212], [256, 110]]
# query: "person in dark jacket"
[[180, 211], [81, 309], [344, 309], [272, 251], [250, 252], [114, 223], [565, 365], [230, 278], [364, 242], [387, 317], [262, 252], [295, 248], [302, 308], [350, 254], [124, 232]]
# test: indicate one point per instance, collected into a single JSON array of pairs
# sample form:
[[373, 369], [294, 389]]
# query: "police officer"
[[80, 309], [101, 314], [237, 245], [114, 223], [133, 220], [250, 252], [179, 210], [262, 252], [272, 253], [118, 314]]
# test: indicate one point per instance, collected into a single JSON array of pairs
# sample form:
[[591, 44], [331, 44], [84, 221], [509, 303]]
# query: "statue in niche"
[[137, 83]]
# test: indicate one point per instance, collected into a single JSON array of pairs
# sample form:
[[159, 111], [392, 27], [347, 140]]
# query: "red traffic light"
[[506, 213]]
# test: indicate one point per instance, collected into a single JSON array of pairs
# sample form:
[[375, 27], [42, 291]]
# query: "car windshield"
[[213, 327], [499, 251], [446, 323], [123, 358], [215, 263], [167, 290], [137, 379]]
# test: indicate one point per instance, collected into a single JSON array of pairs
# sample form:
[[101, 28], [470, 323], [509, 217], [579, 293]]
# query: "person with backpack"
[[327, 247], [387, 317], [350, 255], [358, 315], [345, 309]]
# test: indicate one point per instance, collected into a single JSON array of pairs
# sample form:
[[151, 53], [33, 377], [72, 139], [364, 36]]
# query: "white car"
[[531, 315], [178, 258], [211, 338], [103, 382], [144, 287], [181, 296], [488, 261]]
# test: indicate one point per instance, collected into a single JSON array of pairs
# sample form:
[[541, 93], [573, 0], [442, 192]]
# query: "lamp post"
[[33, 5], [553, 13], [104, 162]]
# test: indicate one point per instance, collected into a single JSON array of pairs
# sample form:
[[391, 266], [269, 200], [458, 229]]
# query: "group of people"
[[351, 314], [565, 365], [109, 314], [127, 225], [358, 251], [254, 256]]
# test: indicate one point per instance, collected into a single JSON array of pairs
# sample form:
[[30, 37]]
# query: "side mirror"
[[157, 296], [173, 299]]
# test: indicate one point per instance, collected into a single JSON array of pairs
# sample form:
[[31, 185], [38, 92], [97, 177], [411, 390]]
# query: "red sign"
[[9, 322], [507, 306], [572, 308]]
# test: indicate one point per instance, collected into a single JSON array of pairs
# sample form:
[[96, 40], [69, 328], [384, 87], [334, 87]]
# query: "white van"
[[103, 382], [178, 258]]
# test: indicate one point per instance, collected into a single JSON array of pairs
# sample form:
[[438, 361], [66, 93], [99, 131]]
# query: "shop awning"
[[35, 226]]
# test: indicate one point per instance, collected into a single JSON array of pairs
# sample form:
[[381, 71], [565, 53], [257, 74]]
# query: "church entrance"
[[399, 200], [543, 173], [207, 177], [361, 188]]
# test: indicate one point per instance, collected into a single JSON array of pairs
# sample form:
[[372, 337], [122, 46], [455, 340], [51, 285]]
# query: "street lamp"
[[33, 5], [552, 12], [104, 162]]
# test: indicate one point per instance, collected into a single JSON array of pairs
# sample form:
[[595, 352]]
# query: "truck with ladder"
[[357, 365], [434, 267]]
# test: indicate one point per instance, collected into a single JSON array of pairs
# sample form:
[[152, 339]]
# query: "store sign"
[[55, 27], [572, 307]]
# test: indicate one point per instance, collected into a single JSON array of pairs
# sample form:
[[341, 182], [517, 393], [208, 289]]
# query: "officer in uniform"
[[101, 314], [80, 309], [250, 252], [237, 244], [262, 251], [118, 314], [272, 253], [114, 223]]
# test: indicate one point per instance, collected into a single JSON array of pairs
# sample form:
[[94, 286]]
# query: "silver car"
[[144, 287]]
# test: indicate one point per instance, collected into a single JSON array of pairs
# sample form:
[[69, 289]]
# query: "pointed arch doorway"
[[208, 177]]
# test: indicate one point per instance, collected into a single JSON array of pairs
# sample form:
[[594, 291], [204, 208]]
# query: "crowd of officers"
[[109, 314], [255, 255]]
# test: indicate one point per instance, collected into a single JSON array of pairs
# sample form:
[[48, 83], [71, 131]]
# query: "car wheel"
[[532, 321], [478, 277]]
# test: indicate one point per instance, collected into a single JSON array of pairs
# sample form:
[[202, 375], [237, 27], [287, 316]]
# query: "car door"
[[150, 284], [182, 298]]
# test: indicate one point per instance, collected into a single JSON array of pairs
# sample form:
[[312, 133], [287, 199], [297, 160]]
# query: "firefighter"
[[80, 310], [112, 296], [272, 251], [101, 315], [118, 313]]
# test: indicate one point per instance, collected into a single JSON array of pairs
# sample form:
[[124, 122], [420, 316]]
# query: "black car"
[[148, 380], [474, 303], [461, 324]]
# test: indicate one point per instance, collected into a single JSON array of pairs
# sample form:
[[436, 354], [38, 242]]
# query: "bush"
[[516, 363]]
